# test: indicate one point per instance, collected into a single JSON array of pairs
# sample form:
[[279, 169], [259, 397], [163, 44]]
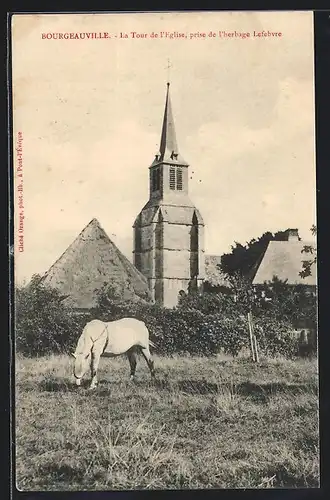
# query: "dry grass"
[[205, 423]]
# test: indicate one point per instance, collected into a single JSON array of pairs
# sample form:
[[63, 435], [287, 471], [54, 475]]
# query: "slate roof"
[[213, 273], [171, 214], [283, 260], [89, 262], [168, 151]]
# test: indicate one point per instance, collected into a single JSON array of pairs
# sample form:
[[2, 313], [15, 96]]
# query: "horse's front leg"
[[95, 360]]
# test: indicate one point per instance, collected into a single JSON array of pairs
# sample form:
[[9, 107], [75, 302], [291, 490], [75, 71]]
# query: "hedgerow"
[[201, 324], [42, 323]]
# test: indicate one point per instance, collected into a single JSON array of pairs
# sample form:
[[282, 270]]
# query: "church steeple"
[[169, 231], [169, 171], [168, 144], [169, 151]]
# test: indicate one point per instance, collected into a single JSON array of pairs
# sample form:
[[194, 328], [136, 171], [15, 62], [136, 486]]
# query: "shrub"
[[43, 325], [211, 303], [294, 304], [200, 325], [197, 327], [274, 337]]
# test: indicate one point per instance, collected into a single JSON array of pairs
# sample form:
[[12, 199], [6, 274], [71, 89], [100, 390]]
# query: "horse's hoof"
[[92, 387]]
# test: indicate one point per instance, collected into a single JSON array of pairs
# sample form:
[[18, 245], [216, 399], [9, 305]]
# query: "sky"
[[90, 113]]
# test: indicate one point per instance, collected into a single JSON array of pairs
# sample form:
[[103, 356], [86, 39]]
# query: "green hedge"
[[45, 326], [42, 324]]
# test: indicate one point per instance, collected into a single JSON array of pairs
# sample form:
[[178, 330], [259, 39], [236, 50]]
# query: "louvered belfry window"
[[179, 179], [176, 178], [172, 178]]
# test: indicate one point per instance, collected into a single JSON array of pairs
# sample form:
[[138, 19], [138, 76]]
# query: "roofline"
[[122, 257], [71, 244], [267, 283], [171, 164], [254, 269]]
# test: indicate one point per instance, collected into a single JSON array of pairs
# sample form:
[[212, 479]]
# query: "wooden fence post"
[[256, 348], [251, 336], [253, 340]]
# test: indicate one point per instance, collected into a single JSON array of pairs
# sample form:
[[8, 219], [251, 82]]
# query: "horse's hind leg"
[[131, 354], [147, 356]]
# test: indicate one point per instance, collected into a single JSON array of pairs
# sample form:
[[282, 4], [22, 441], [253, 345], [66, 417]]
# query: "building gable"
[[284, 260], [91, 262]]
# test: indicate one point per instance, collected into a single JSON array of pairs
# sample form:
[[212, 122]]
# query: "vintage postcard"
[[165, 251]]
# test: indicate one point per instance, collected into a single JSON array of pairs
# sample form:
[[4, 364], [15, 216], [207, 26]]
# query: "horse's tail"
[[152, 344]]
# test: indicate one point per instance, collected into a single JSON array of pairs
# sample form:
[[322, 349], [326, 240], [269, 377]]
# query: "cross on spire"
[[169, 65], [168, 145]]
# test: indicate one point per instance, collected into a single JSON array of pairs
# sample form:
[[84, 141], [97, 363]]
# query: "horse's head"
[[80, 366]]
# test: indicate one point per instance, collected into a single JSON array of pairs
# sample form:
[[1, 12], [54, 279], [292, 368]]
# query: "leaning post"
[[254, 338], [252, 345]]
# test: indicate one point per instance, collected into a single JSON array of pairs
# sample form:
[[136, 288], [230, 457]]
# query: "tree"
[[209, 303], [43, 323], [309, 263], [242, 258], [291, 303], [244, 293]]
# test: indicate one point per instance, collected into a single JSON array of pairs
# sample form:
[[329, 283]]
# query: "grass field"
[[205, 423]]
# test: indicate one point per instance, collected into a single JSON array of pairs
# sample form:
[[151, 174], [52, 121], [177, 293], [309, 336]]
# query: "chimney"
[[292, 235]]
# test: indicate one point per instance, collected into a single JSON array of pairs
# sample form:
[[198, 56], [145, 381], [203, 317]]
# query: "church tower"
[[169, 230]]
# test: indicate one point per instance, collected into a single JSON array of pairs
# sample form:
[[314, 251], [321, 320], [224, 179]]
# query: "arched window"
[[159, 243], [137, 247], [155, 180], [194, 247]]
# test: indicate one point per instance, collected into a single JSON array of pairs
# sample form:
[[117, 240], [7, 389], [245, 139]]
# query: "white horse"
[[111, 339]]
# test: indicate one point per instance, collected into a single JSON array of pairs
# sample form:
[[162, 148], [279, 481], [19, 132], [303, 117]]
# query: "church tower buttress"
[[169, 230]]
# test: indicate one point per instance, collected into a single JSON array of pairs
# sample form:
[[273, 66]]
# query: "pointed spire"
[[168, 137], [168, 144]]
